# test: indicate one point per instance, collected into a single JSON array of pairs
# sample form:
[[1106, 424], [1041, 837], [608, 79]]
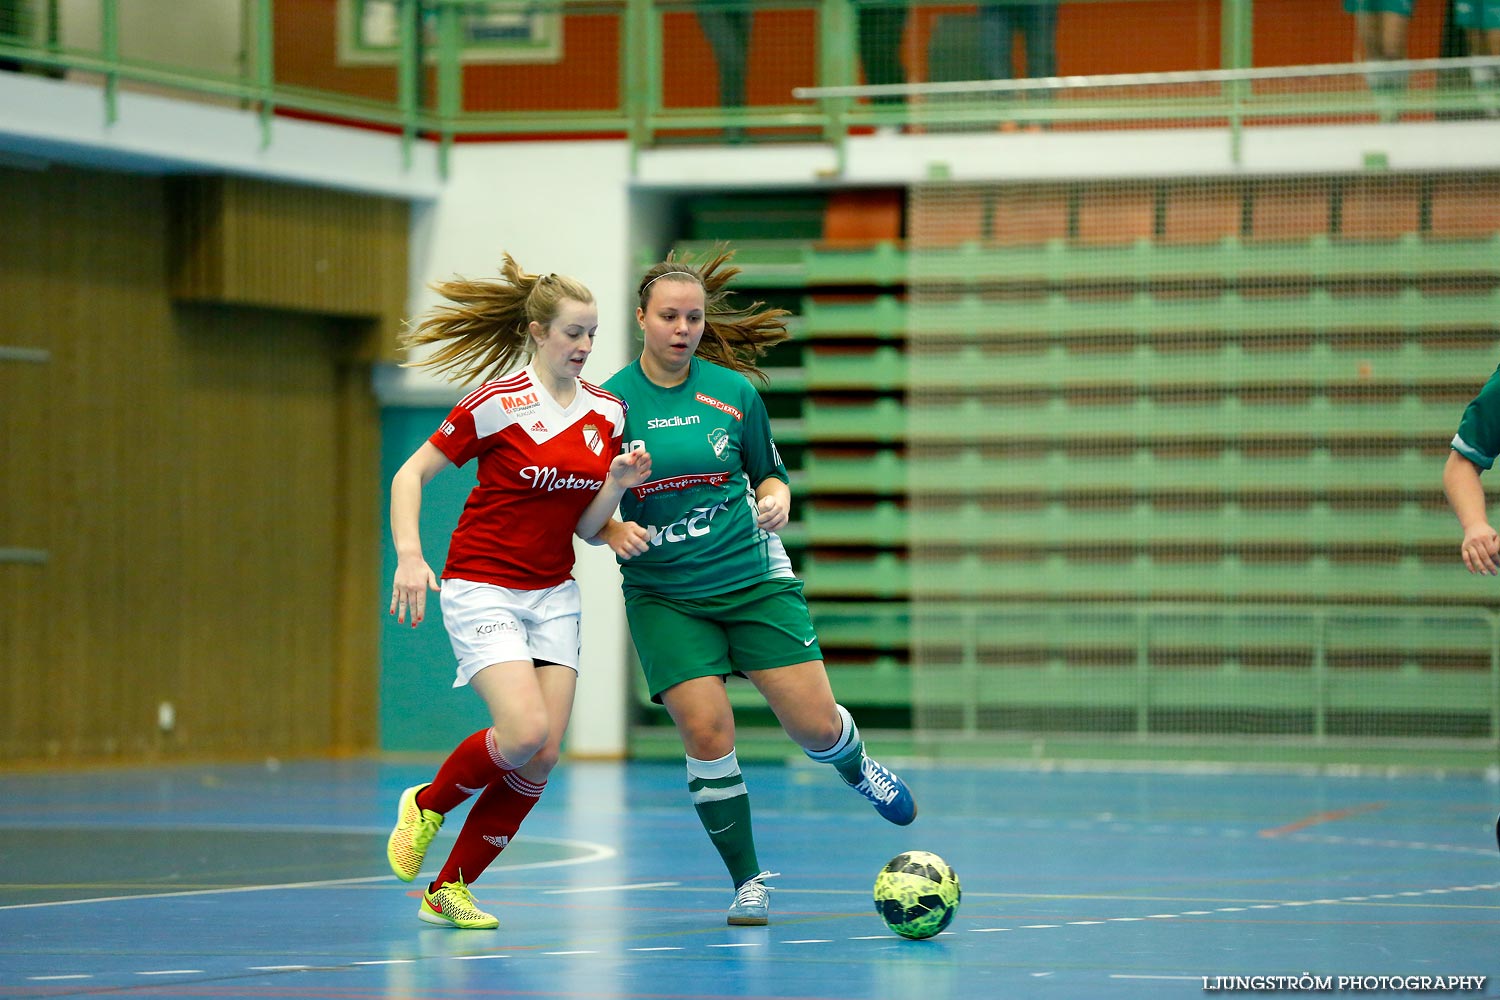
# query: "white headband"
[[685, 274]]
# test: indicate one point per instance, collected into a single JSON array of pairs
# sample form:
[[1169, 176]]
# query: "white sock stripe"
[[719, 794], [850, 733], [521, 786], [496, 757], [724, 767], [848, 737]]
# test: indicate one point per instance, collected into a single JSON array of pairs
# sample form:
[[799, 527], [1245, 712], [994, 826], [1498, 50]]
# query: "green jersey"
[[1478, 437], [710, 444]]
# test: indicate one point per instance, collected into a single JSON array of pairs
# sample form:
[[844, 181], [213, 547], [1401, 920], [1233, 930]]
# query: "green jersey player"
[[713, 592], [1473, 450]]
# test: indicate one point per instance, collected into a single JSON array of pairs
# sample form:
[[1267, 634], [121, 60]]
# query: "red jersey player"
[[548, 450]]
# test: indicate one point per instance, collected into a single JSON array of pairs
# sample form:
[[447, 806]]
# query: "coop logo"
[[736, 414], [509, 403], [491, 628], [546, 477], [695, 525], [660, 422]]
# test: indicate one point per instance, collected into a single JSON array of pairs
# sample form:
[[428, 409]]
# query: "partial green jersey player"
[[713, 592], [1474, 449]]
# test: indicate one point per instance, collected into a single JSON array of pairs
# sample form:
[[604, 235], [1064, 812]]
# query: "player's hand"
[[772, 512], [1481, 550], [626, 538], [630, 469], [414, 578]]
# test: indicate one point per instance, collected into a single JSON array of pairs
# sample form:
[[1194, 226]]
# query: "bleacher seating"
[[1117, 398]]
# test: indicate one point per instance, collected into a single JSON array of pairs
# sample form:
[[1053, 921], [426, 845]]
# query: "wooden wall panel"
[[205, 480], [244, 241]]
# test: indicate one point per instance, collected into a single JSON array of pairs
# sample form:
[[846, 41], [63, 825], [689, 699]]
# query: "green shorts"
[[757, 627]]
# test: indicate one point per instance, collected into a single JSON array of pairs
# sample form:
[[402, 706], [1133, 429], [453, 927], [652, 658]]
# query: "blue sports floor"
[[271, 881]]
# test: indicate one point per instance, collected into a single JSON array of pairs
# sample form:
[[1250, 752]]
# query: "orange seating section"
[[1365, 208], [861, 216]]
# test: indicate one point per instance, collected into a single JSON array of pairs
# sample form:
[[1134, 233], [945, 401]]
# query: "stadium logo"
[[660, 422], [546, 477]]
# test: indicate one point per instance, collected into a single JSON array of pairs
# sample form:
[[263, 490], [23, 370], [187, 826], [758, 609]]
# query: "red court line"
[[1322, 817]]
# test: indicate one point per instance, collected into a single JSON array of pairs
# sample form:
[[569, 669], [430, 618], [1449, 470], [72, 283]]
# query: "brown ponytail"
[[485, 332]]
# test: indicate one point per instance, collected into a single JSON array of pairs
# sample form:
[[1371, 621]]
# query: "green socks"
[[723, 806]]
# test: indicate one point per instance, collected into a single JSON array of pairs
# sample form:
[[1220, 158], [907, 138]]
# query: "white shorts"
[[489, 624]]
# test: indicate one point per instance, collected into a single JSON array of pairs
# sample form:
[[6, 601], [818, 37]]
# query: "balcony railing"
[[663, 72]]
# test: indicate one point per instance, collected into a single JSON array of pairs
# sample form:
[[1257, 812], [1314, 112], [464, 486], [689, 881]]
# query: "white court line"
[[660, 948], [476, 958], [610, 888], [596, 852], [172, 972], [52, 979], [1126, 975]]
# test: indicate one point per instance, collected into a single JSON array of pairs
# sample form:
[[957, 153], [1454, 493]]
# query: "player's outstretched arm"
[[1481, 546], [624, 538], [626, 471], [414, 578]]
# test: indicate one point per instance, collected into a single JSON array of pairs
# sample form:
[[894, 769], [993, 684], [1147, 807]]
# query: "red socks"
[[494, 819], [472, 766]]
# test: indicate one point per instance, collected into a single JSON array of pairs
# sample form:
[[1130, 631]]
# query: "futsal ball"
[[917, 894]]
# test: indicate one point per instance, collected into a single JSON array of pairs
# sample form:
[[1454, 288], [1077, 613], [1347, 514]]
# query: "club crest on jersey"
[[718, 438], [593, 439]]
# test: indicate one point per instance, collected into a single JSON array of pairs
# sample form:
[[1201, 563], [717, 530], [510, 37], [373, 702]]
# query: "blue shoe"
[[752, 902], [888, 793]]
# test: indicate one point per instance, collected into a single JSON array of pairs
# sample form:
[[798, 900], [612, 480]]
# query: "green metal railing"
[[432, 96]]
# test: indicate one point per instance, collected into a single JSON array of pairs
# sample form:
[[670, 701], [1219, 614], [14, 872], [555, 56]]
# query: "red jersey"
[[540, 465]]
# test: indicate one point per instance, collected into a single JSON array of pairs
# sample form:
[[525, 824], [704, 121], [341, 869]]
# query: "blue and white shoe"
[[752, 902], [888, 793]]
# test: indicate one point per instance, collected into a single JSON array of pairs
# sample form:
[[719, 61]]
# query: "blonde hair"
[[486, 329], [735, 338]]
